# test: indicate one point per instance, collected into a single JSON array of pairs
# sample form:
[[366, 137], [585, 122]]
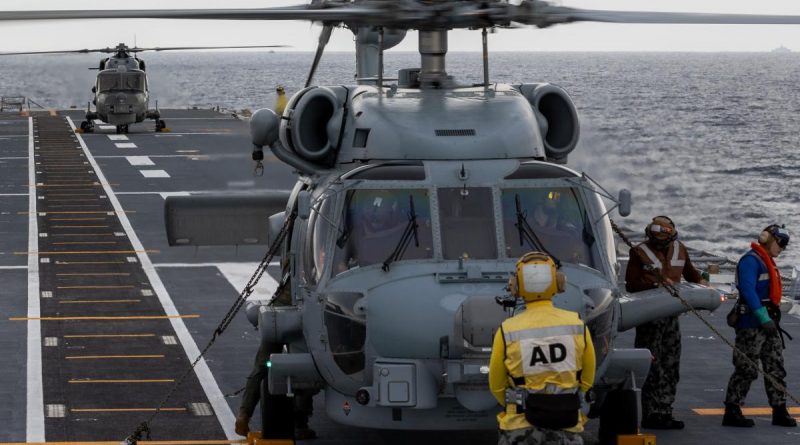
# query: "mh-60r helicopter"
[[415, 197], [121, 91]]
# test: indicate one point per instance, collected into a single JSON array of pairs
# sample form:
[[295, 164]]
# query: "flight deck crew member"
[[662, 251], [280, 101], [757, 331], [303, 400], [542, 360]]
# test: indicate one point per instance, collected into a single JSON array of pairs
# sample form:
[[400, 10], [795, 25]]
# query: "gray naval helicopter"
[[121, 91], [415, 197]]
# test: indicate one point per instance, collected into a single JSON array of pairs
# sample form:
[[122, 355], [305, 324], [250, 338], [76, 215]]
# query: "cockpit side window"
[[467, 220], [372, 225], [556, 219], [319, 231]]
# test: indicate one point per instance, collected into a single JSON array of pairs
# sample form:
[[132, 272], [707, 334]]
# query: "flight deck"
[[102, 317]]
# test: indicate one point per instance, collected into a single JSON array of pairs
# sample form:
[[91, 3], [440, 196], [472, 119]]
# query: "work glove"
[[770, 328]]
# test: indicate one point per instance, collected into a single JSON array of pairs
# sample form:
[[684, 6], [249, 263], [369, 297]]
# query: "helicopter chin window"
[[555, 218], [372, 225], [347, 331], [468, 227]]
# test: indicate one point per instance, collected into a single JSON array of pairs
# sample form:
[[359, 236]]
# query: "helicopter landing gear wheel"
[[160, 125], [87, 126], [122, 129], [619, 415], [277, 411]]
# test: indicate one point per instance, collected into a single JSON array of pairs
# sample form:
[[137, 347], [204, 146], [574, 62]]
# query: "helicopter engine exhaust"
[[557, 117]]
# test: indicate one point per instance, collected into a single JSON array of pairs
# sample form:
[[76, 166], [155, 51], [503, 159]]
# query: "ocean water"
[[710, 139]]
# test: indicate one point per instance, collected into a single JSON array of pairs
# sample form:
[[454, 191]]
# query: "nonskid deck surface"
[[84, 372]]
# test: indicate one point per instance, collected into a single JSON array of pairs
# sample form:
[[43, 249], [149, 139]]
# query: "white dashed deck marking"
[[125, 144], [154, 173], [140, 160], [118, 137]]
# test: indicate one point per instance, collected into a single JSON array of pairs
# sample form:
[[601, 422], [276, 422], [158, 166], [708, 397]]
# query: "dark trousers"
[[663, 339], [756, 344]]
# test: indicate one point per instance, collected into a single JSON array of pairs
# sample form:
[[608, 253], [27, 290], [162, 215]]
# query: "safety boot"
[[781, 417], [734, 417], [242, 425], [661, 422]]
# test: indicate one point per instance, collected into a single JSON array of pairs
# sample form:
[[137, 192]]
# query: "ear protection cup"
[[561, 282], [659, 221], [539, 284], [764, 237]]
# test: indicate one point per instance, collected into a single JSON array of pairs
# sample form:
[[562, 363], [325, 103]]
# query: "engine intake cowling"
[[313, 124], [557, 117]]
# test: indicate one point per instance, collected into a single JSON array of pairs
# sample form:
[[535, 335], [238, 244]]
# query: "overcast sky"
[[56, 35]]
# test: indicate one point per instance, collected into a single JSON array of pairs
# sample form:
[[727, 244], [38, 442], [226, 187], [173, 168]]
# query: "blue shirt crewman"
[[757, 330]]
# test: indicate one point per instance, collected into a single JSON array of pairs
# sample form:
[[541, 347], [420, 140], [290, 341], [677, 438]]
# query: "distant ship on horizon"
[[781, 49]]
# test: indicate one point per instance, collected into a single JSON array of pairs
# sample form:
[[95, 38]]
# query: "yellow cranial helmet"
[[537, 278]]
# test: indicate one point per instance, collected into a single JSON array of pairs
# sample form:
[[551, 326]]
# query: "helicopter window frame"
[[355, 185], [322, 210], [599, 250]]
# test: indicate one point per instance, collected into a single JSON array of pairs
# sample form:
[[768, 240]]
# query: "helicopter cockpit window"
[[468, 229], [373, 224], [114, 81], [556, 219]]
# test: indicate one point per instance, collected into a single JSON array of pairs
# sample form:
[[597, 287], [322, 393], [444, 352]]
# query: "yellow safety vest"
[[545, 350], [280, 104]]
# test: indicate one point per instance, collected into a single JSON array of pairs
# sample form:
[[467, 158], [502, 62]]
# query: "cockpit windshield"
[[373, 223], [556, 218], [114, 81]]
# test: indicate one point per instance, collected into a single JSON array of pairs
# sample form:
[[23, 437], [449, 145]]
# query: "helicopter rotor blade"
[[76, 51], [417, 14], [542, 14], [338, 11], [189, 48], [324, 37]]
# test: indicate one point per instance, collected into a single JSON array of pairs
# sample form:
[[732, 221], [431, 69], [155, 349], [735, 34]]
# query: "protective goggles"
[[781, 236], [655, 228]]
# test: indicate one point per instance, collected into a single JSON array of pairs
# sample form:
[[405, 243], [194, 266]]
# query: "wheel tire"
[[119, 129], [619, 415], [277, 411], [84, 125]]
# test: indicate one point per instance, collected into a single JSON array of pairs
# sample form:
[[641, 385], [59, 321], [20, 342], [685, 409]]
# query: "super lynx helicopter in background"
[[121, 91], [415, 197]]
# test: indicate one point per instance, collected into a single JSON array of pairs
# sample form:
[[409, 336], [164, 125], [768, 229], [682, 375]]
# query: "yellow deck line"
[[121, 410], [90, 252], [97, 301], [108, 335], [103, 357], [72, 194], [76, 219], [81, 234], [82, 227], [99, 274], [83, 242], [120, 381], [95, 287], [69, 263], [108, 318], [755, 411]]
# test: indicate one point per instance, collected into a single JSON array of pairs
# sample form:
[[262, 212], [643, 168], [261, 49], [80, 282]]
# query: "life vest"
[[544, 348], [671, 266], [762, 279]]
